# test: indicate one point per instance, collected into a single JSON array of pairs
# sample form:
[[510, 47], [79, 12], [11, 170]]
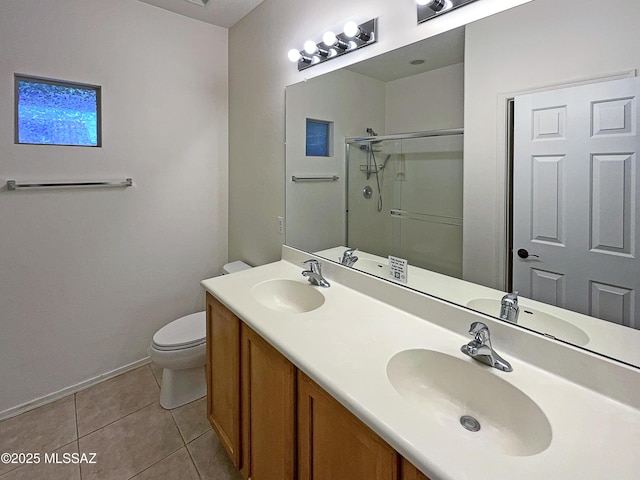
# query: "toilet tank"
[[233, 267]]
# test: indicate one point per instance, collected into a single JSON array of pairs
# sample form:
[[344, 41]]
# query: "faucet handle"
[[481, 333], [477, 327], [314, 265], [511, 297], [348, 258]]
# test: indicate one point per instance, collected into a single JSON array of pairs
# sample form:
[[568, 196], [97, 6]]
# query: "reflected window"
[[319, 138], [56, 112]]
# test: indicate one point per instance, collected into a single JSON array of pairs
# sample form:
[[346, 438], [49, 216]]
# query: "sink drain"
[[470, 423]]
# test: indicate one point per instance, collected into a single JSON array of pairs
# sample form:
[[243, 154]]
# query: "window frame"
[[64, 83], [330, 137]]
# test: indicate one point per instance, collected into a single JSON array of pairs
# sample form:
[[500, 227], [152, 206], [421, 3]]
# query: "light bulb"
[[351, 29], [329, 38], [310, 47], [436, 5], [294, 55]]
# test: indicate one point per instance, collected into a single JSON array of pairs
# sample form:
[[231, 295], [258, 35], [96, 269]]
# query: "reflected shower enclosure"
[[404, 198]]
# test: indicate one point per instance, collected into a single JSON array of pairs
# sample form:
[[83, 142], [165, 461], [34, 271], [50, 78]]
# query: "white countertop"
[[345, 344], [616, 341]]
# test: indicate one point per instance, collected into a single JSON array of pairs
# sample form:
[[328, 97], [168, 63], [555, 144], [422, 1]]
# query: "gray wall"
[[259, 71], [87, 276]]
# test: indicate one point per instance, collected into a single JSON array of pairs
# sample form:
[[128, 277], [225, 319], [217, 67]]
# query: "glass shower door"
[[405, 200], [426, 212]]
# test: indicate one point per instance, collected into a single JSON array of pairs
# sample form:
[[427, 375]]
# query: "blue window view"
[[318, 136], [51, 112]]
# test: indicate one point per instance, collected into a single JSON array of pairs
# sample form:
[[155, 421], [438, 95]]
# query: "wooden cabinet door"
[[334, 445], [223, 376], [409, 472], [268, 410]]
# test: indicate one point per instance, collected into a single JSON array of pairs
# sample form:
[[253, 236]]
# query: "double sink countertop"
[[610, 339], [392, 357]]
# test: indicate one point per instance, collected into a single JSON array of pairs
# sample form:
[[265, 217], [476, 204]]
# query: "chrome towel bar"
[[13, 185], [331, 178]]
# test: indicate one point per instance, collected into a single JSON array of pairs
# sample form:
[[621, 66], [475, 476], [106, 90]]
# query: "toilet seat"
[[185, 332]]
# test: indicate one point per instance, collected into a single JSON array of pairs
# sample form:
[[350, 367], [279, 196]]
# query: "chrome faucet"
[[315, 273], [509, 307], [480, 348], [348, 258]]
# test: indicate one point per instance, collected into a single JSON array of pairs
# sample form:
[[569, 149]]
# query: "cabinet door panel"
[[223, 376], [409, 472], [268, 406], [334, 444]]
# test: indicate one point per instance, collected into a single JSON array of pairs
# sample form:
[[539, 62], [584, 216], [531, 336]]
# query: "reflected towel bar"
[[425, 217], [331, 178], [13, 185]]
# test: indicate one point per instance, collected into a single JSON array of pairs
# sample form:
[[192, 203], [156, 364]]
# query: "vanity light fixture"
[[296, 56], [333, 45], [332, 41], [353, 30], [428, 9]]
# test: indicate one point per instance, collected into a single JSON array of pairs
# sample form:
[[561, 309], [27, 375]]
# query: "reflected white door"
[[576, 197]]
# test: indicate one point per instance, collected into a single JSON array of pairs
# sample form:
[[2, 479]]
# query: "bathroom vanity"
[[256, 397], [366, 380]]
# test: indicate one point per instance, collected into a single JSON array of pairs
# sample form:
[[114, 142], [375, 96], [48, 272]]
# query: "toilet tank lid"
[[236, 266], [184, 331]]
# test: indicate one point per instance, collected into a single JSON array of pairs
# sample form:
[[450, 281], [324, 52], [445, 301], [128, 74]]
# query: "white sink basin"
[[372, 266], [287, 296], [535, 320], [450, 388]]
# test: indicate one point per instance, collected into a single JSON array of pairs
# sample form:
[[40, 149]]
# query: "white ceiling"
[[223, 13], [437, 52]]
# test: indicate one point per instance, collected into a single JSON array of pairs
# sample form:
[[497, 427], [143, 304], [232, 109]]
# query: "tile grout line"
[[185, 443], [75, 410], [117, 420], [155, 377], [162, 459], [195, 465], [184, 440]]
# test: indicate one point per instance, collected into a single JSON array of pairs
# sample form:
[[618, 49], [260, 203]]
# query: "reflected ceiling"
[[437, 52]]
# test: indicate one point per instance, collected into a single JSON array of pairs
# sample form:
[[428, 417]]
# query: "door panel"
[[269, 410], [223, 376], [333, 444], [576, 192]]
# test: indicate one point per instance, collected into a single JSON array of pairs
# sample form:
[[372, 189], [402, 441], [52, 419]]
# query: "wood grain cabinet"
[[334, 444], [223, 376], [276, 423], [409, 472], [268, 410]]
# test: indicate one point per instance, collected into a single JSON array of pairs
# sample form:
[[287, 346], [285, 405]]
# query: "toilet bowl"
[[179, 348]]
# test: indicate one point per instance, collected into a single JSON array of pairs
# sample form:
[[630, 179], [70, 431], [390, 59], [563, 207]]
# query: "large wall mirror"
[[498, 156]]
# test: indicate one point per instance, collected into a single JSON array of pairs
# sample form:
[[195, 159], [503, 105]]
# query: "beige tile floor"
[[122, 422]]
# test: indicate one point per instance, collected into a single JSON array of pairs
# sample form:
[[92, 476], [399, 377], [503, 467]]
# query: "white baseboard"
[[52, 397]]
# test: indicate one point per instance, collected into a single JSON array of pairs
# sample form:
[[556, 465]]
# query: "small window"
[[55, 112], [319, 138]]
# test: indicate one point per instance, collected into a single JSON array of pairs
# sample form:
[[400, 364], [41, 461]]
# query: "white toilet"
[[180, 349]]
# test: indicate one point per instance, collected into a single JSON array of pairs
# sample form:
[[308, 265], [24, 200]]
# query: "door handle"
[[523, 253]]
